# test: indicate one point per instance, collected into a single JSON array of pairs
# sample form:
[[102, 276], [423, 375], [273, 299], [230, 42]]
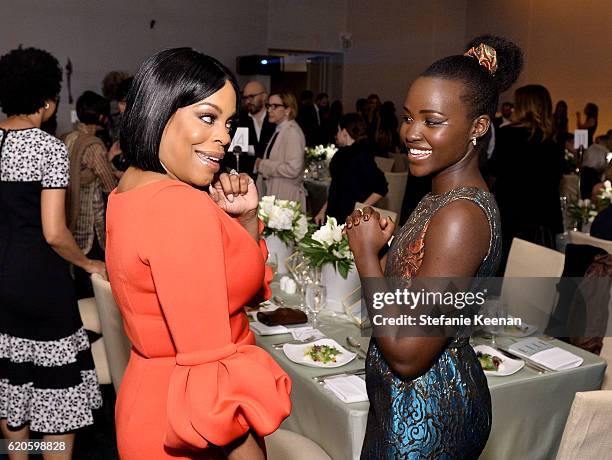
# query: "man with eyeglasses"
[[255, 118]]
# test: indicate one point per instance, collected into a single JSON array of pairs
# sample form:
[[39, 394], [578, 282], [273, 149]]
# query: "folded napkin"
[[262, 329], [306, 332], [545, 353], [282, 316], [349, 389]]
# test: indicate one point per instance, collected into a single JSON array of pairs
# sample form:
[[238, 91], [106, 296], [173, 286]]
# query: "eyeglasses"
[[274, 106], [247, 97]]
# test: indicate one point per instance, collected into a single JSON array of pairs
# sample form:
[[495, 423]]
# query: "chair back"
[[569, 187], [382, 212], [287, 445], [576, 237], [384, 164], [401, 162], [534, 296], [606, 353], [115, 340], [395, 196], [587, 430]]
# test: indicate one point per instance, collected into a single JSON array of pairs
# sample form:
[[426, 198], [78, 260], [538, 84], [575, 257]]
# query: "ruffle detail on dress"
[[251, 393], [51, 410], [51, 353]]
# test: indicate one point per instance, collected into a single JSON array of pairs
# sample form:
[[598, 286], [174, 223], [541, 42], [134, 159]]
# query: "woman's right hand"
[[319, 219], [96, 266]]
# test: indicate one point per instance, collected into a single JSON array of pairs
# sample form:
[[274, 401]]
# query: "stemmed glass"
[[495, 309], [316, 298], [302, 274], [273, 262]]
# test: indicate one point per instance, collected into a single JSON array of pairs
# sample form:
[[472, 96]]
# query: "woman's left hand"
[[368, 232], [236, 194]]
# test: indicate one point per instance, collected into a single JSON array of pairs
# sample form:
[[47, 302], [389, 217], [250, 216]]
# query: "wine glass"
[[273, 262], [495, 309], [302, 275], [316, 298]]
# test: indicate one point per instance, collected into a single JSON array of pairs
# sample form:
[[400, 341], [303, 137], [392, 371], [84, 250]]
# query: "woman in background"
[[281, 170], [428, 395], [92, 180], [355, 177], [527, 166], [48, 383], [182, 265]]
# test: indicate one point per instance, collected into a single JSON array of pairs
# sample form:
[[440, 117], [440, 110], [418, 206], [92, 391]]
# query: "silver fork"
[[279, 345]]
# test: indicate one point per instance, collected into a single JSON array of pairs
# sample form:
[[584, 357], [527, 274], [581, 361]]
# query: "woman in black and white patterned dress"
[[47, 378]]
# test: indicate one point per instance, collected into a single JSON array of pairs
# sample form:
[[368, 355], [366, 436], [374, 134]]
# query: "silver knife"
[[320, 378]]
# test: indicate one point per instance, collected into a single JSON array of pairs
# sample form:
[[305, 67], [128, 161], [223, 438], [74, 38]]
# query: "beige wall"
[[566, 45], [311, 25], [565, 42], [394, 41], [100, 36]]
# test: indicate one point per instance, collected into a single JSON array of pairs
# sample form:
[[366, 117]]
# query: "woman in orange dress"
[[182, 264]]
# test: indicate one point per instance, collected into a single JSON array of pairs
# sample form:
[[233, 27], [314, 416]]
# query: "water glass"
[[316, 299], [494, 309], [273, 262]]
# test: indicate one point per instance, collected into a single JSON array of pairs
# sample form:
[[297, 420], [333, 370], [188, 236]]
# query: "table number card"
[[581, 138], [240, 139]]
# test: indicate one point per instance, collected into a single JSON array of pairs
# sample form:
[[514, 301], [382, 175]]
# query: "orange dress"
[[181, 270]]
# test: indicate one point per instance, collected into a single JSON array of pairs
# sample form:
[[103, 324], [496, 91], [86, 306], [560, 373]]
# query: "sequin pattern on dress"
[[446, 412]]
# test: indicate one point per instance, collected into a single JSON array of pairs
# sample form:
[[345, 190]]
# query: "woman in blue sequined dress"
[[429, 397]]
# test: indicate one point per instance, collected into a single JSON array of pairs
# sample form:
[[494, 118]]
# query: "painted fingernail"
[[230, 198]]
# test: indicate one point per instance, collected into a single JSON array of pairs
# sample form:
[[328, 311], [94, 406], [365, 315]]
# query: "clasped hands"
[[368, 231], [235, 193]]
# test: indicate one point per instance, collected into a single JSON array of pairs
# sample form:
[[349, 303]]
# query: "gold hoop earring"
[[474, 141]]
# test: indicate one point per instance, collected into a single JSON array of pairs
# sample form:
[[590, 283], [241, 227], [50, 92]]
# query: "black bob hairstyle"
[[28, 78], [165, 82], [481, 89]]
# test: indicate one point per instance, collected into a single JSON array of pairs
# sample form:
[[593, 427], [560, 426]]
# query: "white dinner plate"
[[295, 352], [508, 366]]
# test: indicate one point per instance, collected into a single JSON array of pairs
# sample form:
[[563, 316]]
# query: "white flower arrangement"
[[582, 212], [283, 218], [320, 153], [604, 197], [328, 245]]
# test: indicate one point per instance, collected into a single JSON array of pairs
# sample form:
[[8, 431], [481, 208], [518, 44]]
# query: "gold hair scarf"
[[486, 56]]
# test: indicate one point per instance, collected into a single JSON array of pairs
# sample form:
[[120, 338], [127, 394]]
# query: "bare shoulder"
[[457, 240]]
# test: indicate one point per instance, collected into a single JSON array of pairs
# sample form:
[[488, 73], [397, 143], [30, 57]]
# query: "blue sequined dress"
[[446, 412]]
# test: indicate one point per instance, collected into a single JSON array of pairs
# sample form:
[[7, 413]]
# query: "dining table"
[[529, 408]]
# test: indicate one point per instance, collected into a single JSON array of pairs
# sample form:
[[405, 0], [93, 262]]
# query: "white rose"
[[323, 236], [280, 218], [301, 228], [283, 203], [266, 203]]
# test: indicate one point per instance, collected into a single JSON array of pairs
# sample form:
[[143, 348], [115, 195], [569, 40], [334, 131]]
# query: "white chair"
[[395, 196], [569, 187], [384, 164], [606, 353], [584, 238], [115, 340], [587, 431], [91, 321], [401, 162], [287, 445], [533, 297], [382, 212]]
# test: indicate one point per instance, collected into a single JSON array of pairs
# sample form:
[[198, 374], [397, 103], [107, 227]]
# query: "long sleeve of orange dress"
[[181, 270]]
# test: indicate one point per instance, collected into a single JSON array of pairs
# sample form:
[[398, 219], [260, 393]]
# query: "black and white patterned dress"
[[47, 375]]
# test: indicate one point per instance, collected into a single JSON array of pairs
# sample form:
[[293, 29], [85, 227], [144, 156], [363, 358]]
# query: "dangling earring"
[[47, 106], [474, 141]]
